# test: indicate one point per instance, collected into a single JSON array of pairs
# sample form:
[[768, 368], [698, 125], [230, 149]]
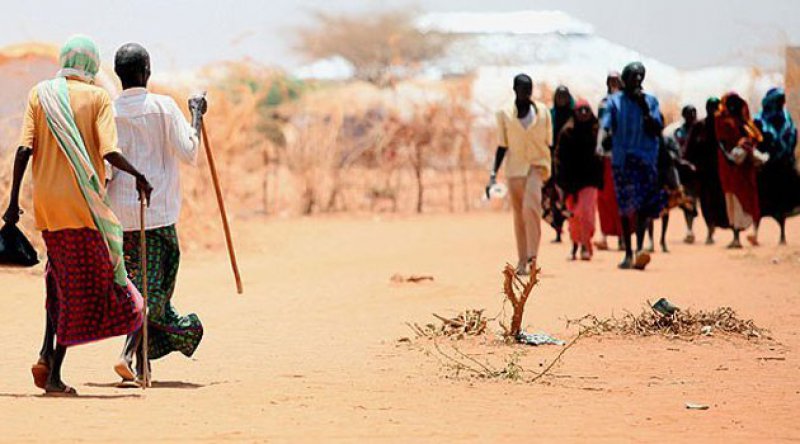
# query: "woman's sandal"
[[66, 392]]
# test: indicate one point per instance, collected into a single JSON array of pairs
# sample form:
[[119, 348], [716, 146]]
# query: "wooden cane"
[[143, 261], [215, 179]]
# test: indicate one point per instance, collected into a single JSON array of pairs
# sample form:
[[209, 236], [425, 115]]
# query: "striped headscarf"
[[80, 58]]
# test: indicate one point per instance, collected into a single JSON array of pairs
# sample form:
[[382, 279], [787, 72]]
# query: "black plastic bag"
[[15, 249]]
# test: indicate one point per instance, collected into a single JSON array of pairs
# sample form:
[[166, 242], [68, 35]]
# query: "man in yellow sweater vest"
[[525, 133]]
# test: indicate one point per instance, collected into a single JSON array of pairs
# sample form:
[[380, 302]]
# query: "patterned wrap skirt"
[[83, 301], [168, 331], [638, 189]]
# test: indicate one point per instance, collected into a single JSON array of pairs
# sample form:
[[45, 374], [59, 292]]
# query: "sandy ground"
[[310, 352]]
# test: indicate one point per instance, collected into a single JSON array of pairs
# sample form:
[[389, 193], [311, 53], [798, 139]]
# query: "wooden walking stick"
[[145, 344], [215, 179]]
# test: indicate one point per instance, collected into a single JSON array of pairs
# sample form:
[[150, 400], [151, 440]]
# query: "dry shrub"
[[355, 149], [684, 324], [437, 137]]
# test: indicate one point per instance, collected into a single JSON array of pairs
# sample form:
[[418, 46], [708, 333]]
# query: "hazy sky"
[[184, 34]]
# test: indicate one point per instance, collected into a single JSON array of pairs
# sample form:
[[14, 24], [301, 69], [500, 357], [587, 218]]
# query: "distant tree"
[[380, 46]]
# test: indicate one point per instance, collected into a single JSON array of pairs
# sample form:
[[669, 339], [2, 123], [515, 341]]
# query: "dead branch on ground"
[[517, 292]]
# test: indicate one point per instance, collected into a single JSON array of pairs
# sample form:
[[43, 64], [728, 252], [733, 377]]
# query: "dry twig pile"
[[467, 323], [684, 324]]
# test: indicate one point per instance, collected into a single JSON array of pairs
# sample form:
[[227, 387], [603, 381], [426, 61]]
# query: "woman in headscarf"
[[778, 180], [702, 151], [563, 106], [687, 171], [579, 175], [69, 130], [738, 138], [607, 209]]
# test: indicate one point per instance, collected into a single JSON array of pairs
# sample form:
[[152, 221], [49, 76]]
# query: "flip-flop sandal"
[[125, 384], [641, 260], [124, 371], [67, 392], [41, 372]]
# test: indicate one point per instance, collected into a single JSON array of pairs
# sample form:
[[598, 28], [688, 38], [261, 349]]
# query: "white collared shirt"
[[154, 136]]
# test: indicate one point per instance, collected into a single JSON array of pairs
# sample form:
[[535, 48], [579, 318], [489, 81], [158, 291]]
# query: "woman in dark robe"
[[552, 202], [579, 174], [687, 171], [702, 151], [778, 180], [738, 138]]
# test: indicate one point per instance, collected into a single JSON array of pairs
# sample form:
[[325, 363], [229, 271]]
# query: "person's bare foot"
[[626, 263], [586, 255], [124, 370], [664, 247], [709, 240], [523, 269], [601, 245], [689, 239]]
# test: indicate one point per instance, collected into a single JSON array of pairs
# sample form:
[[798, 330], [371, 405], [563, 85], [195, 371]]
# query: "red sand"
[[309, 353]]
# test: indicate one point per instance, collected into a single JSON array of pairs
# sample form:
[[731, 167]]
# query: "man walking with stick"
[[155, 136]]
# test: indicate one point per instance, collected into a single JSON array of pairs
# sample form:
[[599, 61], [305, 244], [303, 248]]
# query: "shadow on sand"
[[79, 396], [177, 385]]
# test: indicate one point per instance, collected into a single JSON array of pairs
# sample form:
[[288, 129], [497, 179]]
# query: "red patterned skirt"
[[83, 300]]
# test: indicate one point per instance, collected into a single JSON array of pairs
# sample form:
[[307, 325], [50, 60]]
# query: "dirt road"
[[310, 352]]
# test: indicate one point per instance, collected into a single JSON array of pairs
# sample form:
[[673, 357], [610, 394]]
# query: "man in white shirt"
[[525, 133], [154, 136]]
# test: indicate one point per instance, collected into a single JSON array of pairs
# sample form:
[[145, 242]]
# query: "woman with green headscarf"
[[69, 131]]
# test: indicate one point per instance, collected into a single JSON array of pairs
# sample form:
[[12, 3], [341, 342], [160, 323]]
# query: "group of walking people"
[[89, 216], [624, 165]]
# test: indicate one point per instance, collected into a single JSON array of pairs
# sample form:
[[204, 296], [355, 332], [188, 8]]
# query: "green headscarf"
[[79, 57]]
